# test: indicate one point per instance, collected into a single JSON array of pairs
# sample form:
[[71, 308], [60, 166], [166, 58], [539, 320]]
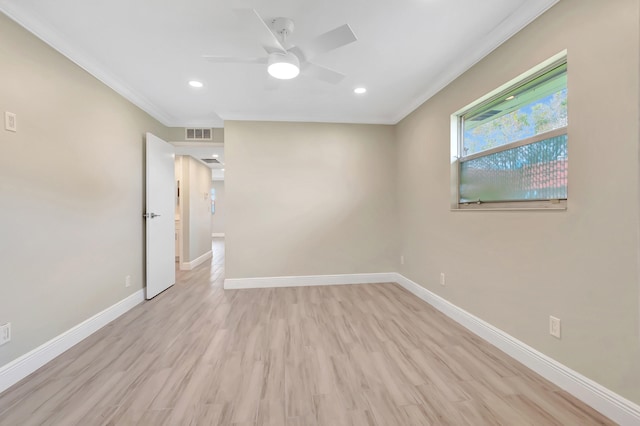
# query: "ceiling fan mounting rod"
[[283, 27]]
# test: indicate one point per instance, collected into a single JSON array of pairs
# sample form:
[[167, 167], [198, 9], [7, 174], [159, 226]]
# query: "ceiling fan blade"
[[233, 60], [330, 40], [322, 73], [298, 52], [252, 21]]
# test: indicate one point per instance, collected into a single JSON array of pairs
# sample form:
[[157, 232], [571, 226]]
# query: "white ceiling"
[[148, 50]]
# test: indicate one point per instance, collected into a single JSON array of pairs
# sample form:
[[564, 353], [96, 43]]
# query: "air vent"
[[210, 160], [485, 115], [197, 134]]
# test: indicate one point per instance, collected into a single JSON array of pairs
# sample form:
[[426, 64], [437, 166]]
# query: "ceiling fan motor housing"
[[282, 26]]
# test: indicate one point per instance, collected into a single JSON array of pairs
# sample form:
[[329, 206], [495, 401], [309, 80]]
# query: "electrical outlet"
[[127, 281], [5, 333], [10, 122], [554, 326], [442, 279], [402, 260]]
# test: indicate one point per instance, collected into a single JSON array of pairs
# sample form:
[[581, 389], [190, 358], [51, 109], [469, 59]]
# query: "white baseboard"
[[593, 394], [187, 266], [309, 280], [218, 234], [20, 368], [597, 396]]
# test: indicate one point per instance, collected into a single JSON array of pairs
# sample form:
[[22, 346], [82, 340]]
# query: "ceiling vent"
[[210, 160], [198, 134]]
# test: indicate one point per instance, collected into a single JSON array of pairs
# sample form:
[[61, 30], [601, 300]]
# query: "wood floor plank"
[[365, 355]]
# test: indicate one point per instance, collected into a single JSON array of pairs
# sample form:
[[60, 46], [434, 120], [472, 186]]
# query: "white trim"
[[527, 13], [187, 266], [309, 280], [506, 206], [23, 366], [520, 18], [597, 396], [591, 393], [217, 234], [58, 42], [54, 38]]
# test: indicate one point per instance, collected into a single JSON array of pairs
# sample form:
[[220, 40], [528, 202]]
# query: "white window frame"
[[456, 146]]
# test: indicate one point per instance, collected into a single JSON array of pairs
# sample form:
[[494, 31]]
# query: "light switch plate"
[[10, 122]]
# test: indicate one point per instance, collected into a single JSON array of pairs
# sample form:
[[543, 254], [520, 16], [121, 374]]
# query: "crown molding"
[[527, 13], [510, 26], [54, 39]]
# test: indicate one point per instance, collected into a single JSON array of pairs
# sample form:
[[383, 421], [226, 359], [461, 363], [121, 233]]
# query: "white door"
[[159, 216]]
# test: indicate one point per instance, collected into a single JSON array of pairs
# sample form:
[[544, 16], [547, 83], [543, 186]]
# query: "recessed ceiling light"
[[195, 83], [359, 90], [222, 170], [510, 97], [215, 155]]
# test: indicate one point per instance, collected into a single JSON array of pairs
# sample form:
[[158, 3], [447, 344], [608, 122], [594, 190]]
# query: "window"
[[509, 149], [213, 201]]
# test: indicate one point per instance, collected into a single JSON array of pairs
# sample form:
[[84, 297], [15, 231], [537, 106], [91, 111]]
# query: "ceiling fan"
[[285, 61]]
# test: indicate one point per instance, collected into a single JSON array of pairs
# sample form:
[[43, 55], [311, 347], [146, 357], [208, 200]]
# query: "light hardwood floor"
[[341, 355]]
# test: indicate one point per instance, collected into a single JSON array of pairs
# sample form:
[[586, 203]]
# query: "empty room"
[[421, 212]]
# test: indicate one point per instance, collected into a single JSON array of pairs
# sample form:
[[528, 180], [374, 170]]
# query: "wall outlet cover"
[[554, 326], [10, 122]]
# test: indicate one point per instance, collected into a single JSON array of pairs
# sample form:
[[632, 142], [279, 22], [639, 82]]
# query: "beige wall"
[[71, 193], [309, 199], [217, 219], [195, 208], [514, 269]]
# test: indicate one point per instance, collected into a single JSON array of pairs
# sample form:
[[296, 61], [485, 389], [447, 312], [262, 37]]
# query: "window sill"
[[514, 206]]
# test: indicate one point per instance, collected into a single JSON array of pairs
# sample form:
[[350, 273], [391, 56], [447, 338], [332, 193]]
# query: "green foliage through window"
[[536, 107]]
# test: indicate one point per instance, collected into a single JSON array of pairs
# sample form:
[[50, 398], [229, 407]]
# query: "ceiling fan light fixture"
[[283, 66]]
